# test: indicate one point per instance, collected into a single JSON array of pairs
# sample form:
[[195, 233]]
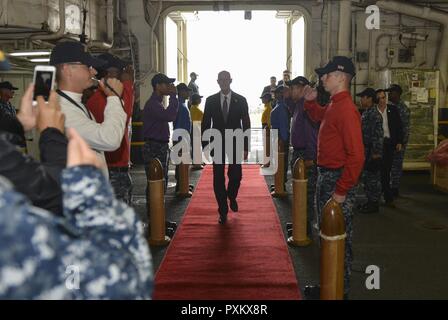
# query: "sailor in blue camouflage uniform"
[[97, 251], [395, 92], [372, 134]]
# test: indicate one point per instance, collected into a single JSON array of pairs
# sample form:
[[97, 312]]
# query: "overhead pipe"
[[328, 33], [110, 31], [152, 59], [58, 34], [345, 25], [437, 16]]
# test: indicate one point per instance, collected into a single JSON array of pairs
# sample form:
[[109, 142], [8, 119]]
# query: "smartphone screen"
[[42, 84]]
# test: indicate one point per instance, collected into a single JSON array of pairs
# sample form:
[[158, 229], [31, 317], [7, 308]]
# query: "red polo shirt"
[[97, 104], [340, 138]]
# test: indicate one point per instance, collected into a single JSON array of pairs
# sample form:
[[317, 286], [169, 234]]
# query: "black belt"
[[119, 169], [329, 169], [155, 140]]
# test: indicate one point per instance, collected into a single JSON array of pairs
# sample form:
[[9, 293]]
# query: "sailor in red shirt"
[[118, 161], [340, 150]]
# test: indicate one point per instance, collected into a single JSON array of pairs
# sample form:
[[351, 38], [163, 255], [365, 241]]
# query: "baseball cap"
[[71, 51], [394, 87], [161, 78], [298, 81], [367, 92], [7, 85], [112, 61], [194, 74], [266, 94], [338, 63], [196, 96], [182, 87], [279, 89]]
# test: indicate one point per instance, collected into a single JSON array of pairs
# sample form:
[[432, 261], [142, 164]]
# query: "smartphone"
[[44, 81]]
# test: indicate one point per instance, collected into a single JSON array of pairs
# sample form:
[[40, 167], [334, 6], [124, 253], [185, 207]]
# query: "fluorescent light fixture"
[[40, 60], [30, 53]]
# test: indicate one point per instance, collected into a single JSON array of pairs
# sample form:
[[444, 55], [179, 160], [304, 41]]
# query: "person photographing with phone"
[[75, 69]]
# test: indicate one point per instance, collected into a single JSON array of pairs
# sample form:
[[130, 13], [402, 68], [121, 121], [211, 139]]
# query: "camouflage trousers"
[[326, 185], [311, 175], [372, 185], [122, 184], [397, 168], [155, 150]]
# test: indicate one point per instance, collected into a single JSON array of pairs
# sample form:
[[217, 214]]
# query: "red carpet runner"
[[247, 258]]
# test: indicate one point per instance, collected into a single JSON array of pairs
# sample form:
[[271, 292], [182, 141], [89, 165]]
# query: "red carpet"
[[247, 258]]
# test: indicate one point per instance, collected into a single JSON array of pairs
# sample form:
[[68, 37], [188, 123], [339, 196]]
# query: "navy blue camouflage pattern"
[[326, 185], [373, 137], [122, 185], [96, 251], [397, 163]]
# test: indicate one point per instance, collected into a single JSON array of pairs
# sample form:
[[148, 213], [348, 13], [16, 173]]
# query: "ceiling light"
[[40, 60], [30, 53]]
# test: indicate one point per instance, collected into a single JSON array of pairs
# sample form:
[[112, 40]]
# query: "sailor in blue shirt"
[[183, 120], [280, 120]]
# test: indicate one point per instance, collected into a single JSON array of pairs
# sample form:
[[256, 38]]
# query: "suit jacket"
[[237, 118], [395, 125]]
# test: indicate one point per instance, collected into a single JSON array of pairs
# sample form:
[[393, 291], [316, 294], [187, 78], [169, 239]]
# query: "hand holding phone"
[[27, 114], [49, 114], [44, 81]]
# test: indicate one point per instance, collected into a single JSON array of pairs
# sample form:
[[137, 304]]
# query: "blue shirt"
[[280, 120], [156, 118], [183, 120]]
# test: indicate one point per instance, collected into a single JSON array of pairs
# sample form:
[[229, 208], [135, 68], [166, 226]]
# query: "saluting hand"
[[310, 94], [27, 114]]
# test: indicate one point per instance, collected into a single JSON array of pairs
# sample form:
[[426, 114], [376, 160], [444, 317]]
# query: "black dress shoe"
[[233, 205], [370, 207], [222, 219], [169, 232], [312, 292], [395, 192], [171, 224]]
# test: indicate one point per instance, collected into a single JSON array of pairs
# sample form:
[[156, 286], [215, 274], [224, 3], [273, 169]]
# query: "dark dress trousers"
[[237, 118], [389, 149]]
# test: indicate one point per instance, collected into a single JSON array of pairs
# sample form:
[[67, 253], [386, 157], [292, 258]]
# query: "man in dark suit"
[[224, 111], [393, 141]]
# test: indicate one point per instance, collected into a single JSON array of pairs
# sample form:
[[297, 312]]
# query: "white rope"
[[299, 180], [332, 238]]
